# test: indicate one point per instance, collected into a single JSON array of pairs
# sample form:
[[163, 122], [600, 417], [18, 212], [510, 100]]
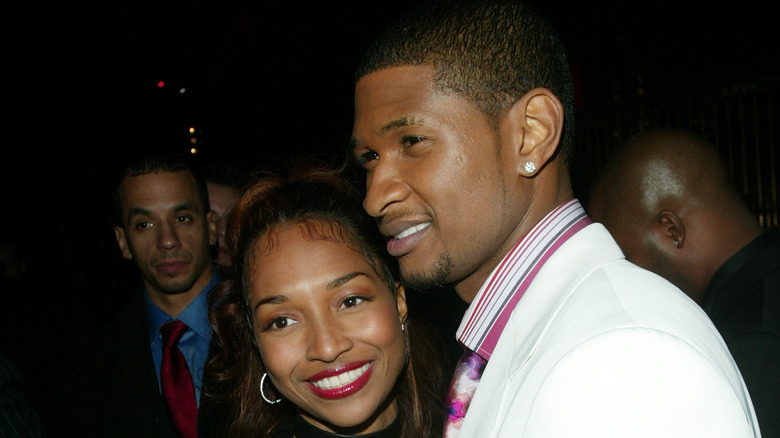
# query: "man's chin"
[[434, 277], [174, 288]]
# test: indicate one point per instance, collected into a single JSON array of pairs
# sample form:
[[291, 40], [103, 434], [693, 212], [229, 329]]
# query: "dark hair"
[[490, 52], [157, 164], [224, 175], [330, 207]]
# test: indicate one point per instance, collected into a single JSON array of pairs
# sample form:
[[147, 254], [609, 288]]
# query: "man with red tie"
[[141, 374]]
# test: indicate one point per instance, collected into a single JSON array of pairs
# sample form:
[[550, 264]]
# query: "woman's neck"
[[304, 429]]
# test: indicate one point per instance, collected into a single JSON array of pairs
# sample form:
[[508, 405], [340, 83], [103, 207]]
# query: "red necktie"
[[176, 382], [464, 383]]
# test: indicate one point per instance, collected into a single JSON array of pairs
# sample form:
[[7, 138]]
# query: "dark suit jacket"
[[108, 385], [743, 300], [17, 417]]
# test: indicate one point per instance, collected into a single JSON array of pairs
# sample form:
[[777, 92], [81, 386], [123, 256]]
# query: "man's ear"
[[536, 126], [119, 232], [672, 228], [400, 301], [211, 222]]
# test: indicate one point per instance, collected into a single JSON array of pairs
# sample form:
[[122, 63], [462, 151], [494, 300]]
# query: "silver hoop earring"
[[262, 392], [529, 167]]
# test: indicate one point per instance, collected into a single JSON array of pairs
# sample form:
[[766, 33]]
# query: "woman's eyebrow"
[[274, 299], [344, 279]]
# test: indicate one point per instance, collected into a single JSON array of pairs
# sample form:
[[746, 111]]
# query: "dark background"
[[262, 82]]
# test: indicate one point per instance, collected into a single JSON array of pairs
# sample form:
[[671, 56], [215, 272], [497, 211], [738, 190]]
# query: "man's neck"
[[549, 189], [468, 288]]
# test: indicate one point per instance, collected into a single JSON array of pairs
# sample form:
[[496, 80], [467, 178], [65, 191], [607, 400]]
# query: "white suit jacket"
[[598, 347]]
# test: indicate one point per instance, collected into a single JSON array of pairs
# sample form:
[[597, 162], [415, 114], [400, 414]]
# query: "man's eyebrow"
[[391, 126], [140, 211], [400, 123], [137, 211], [184, 206]]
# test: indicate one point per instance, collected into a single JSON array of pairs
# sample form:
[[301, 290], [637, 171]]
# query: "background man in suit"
[[463, 123], [118, 383], [666, 197]]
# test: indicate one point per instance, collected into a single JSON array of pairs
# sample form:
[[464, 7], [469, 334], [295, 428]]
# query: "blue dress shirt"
[[194, 344]]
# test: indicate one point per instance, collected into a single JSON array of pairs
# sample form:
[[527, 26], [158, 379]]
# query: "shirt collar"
[[488, 314], [195, 315]]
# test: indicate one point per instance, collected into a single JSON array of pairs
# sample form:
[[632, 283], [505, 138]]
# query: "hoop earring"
[[262, 393], [406, 343]]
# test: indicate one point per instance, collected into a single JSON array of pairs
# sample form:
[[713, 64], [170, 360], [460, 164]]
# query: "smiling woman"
[[314, 334]]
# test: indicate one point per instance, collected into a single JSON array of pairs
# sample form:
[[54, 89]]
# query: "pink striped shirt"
[[488, 314]]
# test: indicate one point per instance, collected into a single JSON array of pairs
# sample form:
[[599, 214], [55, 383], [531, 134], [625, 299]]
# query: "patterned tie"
[[464, 383], [176, 382]]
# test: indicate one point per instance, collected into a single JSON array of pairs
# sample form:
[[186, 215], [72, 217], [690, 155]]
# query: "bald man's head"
[[666, 197]]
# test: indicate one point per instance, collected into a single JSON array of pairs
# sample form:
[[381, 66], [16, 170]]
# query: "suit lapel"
[[139, 377]]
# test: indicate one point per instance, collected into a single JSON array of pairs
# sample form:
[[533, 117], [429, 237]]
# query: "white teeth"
[[342, 379], [411, 230]]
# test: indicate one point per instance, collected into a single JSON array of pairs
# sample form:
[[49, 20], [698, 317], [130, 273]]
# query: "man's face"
[[435, 180], [222, 199], [166, 231]]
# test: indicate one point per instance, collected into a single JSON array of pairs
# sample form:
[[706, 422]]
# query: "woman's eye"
[[352, 301], [279, 323]]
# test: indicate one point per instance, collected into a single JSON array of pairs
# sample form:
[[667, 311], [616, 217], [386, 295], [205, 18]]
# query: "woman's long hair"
[[313, 197]]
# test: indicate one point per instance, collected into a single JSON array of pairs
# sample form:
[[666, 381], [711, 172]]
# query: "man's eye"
[[411, 140], [142, 225], [366, 157], [183, 219]]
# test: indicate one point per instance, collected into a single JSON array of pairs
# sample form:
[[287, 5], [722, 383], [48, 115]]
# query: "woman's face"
[[328, 330]]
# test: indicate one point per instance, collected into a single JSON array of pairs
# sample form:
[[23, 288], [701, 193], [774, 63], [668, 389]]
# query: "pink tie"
[[176, 382], [464, 383]]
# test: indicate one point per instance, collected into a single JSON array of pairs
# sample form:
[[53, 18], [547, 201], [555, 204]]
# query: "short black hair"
[[157, 163], [490, 52]]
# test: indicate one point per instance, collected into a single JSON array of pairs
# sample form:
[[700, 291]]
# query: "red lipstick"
[[334, 390]]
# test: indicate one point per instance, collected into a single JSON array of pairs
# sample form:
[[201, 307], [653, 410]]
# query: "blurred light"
[[182, 90], [160, 84], [193, 140], [194, 151], [192, 129]]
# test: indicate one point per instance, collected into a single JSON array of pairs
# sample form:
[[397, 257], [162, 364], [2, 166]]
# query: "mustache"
[[171, 257], [400, 214]]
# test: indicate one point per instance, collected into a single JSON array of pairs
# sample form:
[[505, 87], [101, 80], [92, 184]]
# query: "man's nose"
[[168, 237], [385, 186]]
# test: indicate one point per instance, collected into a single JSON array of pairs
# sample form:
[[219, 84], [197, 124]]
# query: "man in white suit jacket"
[[598, 347], [463, 124]]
